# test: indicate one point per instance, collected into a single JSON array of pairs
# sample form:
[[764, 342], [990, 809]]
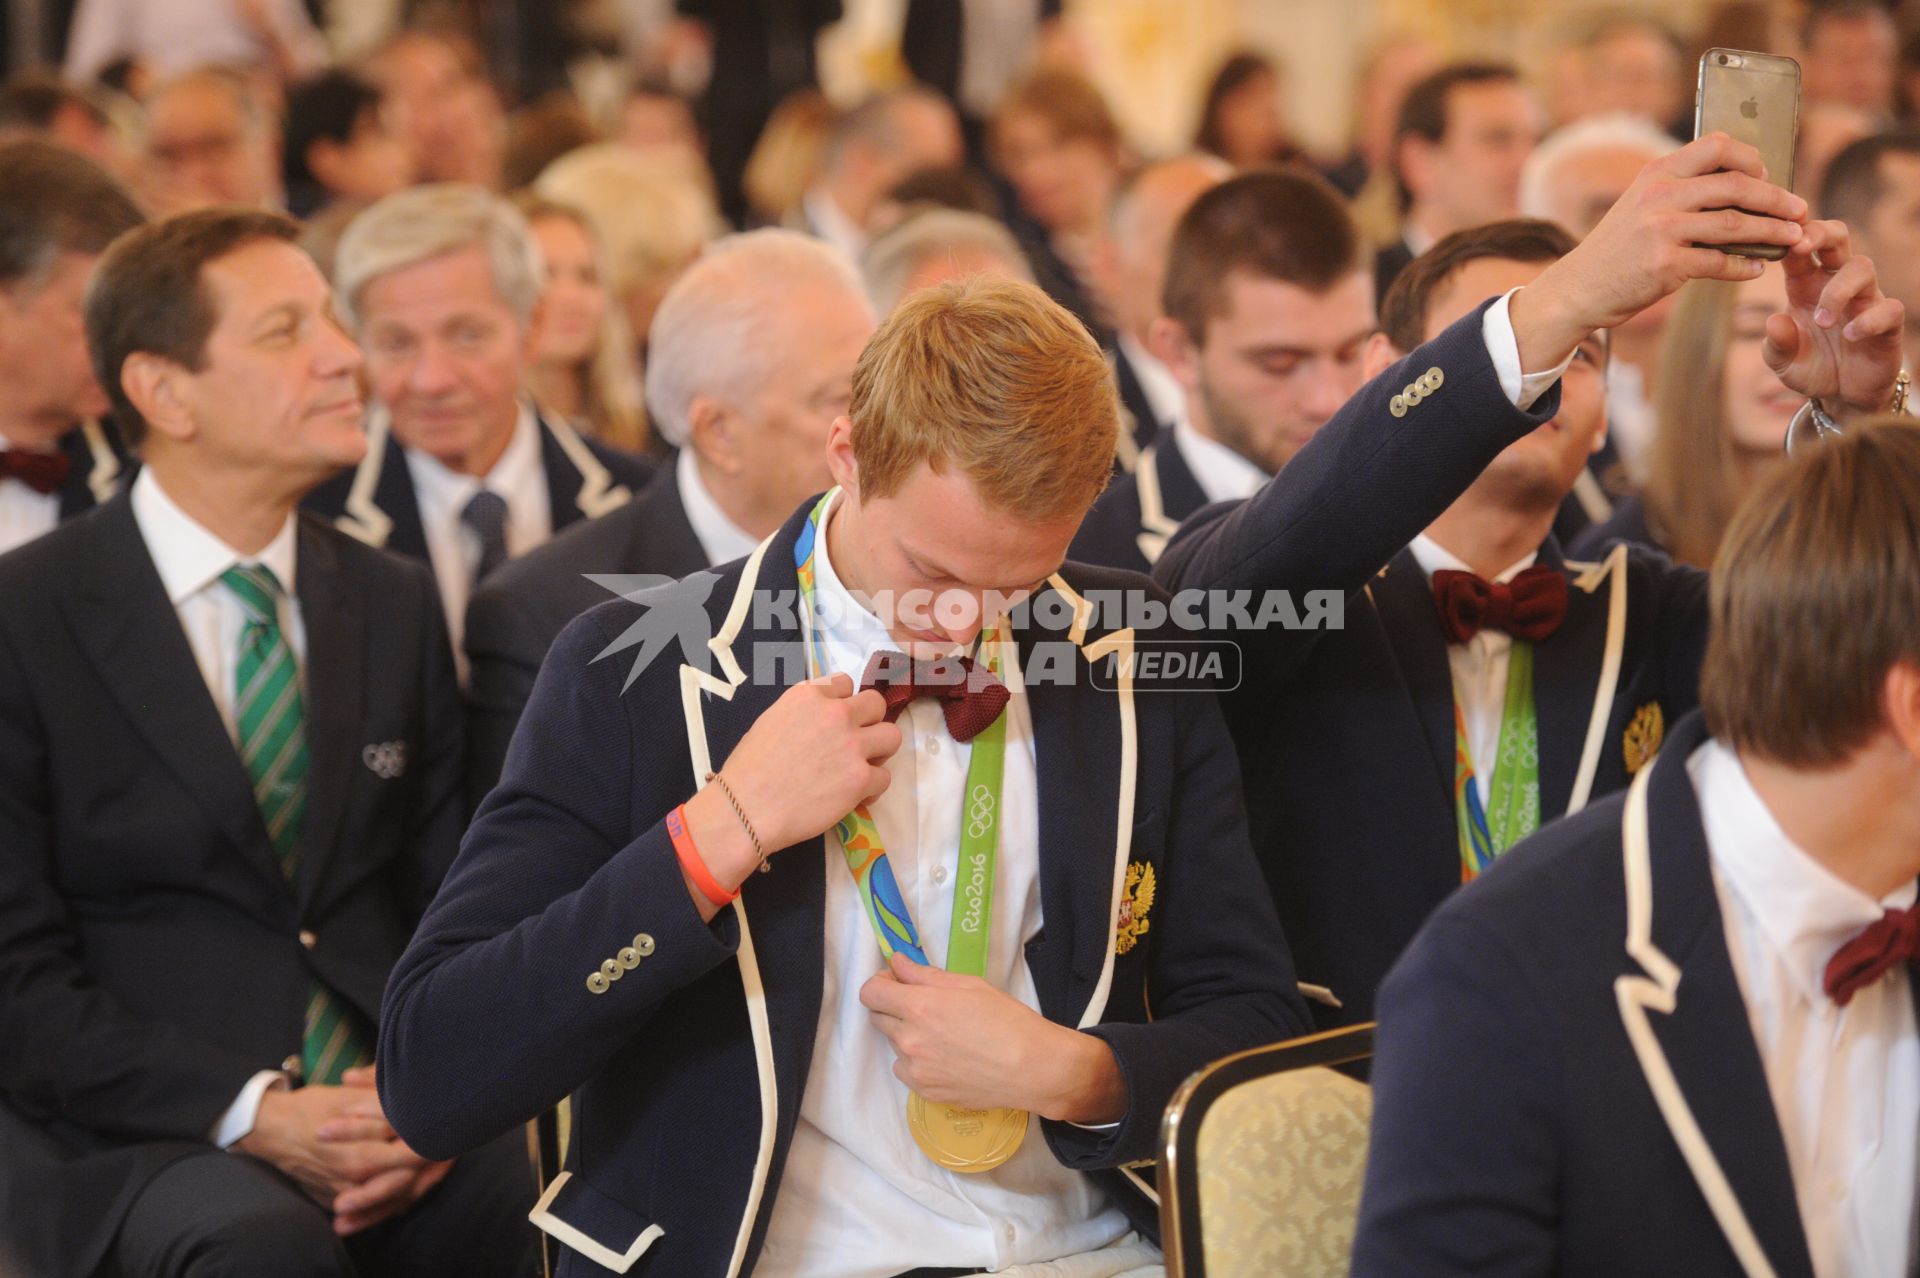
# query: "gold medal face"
[[965, 1140]]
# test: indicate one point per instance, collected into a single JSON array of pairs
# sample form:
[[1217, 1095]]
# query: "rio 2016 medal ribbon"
[[957, 1138]]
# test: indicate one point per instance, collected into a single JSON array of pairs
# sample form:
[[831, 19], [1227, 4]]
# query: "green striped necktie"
[[273, 746]]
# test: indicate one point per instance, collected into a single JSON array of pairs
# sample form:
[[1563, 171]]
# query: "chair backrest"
[[1262, 1158]]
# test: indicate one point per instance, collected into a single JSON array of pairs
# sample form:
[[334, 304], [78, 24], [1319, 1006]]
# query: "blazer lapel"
[[1180, 490], [1703, 1036], [783, 909], [394, 495], [1404, 602], [334, 616], [1086, 761], [127, 624], [1566, 681]]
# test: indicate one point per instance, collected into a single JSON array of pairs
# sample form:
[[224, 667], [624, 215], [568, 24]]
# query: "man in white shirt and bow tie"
[[1676, 1033]]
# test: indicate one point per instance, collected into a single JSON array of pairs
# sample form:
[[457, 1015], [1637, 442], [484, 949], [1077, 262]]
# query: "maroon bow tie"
[[970, 696], [1891, 940], [42, 472], [1530, 607]]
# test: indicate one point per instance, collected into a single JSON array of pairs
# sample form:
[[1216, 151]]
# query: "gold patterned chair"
[[1262, 1155]]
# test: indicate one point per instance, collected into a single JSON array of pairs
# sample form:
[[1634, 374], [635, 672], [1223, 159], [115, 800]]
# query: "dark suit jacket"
[[1132, 521], [375, 502], [102, 465], [1628, 523], [152, 956], [687, 1074], [1517, 1124], [517, 612], [1138, 420], [1350, 729]]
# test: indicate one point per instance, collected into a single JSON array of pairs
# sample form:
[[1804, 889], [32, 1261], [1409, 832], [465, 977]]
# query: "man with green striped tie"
[[230, 781]]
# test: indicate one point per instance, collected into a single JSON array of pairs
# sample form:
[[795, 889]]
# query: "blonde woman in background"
[[584, 366], [651, 214], [787, 158], [1719, 428]]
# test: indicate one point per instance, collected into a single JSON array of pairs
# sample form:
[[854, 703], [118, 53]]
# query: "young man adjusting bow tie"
[[922, 1037]]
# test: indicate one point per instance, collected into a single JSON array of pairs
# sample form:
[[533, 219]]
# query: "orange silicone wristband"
[[690, 860]]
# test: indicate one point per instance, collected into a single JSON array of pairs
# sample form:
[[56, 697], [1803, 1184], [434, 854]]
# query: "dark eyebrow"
[[284, 311]]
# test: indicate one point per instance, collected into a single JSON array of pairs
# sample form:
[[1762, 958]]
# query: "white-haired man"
[[1573, 178], [936, 245], [441, 283], [752, 360], [871, 150]]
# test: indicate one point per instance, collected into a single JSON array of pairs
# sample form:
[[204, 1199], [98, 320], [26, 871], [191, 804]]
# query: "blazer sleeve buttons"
[[618, 966]]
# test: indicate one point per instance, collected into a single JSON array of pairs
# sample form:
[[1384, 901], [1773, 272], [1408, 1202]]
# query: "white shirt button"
[[1010, 1235], [933, 744], [939, 874]]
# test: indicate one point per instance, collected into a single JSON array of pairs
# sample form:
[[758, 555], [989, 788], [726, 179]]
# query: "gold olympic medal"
[[965, 1140]]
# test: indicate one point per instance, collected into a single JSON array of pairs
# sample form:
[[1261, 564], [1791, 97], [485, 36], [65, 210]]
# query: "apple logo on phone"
[[1750, 109]]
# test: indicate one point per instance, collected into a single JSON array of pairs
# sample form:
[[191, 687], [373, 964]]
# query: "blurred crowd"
[[995, 151]]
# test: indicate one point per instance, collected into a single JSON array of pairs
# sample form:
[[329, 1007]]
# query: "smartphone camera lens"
[[1723, 59]]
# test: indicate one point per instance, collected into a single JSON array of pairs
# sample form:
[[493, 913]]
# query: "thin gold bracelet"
[[739, 812]]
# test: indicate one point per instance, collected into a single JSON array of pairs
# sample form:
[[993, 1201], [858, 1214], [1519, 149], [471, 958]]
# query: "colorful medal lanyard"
[[859, 837]]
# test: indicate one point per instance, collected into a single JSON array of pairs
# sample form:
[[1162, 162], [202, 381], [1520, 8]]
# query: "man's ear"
[[1170, 343], [1379, 356], [327, 160], [1900, 697], [157, 388], [841, 463], [1416, 159], [714, 432]]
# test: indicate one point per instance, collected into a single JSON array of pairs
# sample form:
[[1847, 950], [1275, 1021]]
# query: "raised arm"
[[1415, 437]]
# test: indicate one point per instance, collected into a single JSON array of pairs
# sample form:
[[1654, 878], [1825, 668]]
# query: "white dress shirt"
[[1165, 395], [172, 36], [1845, 1080], [454, 548], [722, 539], [1223, 475], [829, 222], [1479, 665], [24, 513], [191, 560], [858, 1199]]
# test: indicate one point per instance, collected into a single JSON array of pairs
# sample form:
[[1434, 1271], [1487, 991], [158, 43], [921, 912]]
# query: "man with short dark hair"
[[1268, 307], [43, 105], [340, 144], [1677, 1032], [1874, 187], [229, 784], [1463, 137], [58, 213]]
